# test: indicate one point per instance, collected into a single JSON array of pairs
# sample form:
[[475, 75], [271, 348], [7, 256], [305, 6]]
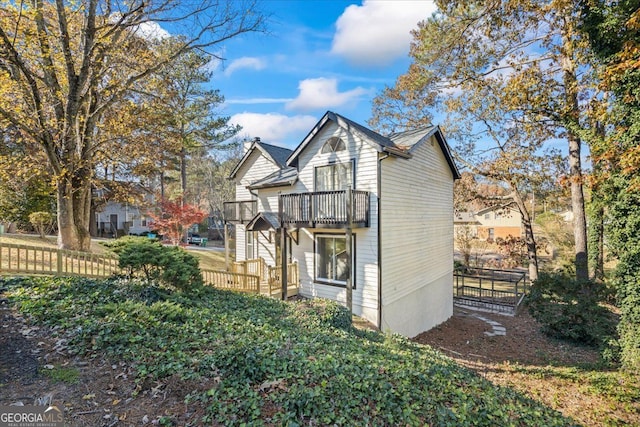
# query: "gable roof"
[[397, 144], [281, 177], [511, 206], [276, 155], [464, 217]]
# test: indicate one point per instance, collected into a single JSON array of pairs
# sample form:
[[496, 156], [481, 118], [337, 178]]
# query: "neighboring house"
[[492, 222], [391, 196], [463, 221], [121, 215]]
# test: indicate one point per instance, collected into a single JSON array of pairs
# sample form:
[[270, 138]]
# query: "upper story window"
[[332, 145], [337, 176]]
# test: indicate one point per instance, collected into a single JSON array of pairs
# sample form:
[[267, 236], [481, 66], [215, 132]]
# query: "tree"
[[614, 36], [65, 64], [41, 221], [185, 112], [22, 190], [175, 218], [509, 71]]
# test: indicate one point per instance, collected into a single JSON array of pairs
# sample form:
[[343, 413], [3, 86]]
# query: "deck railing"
[[228, 280], [256, 267], [240, 212], [498, 290], [275, 273], [23, 259], [328, 209]]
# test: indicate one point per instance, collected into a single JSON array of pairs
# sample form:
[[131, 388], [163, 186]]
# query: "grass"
[[264, 362], [595, 395], [61, 374], [209, 259]]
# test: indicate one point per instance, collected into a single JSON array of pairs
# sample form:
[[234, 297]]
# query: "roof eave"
[[272, 185], [397, 152]]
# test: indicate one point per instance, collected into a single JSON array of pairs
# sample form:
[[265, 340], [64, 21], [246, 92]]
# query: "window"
[[332, 265], [251, 246], [338, 176], [487, 216], [332, 145], [492, 233]]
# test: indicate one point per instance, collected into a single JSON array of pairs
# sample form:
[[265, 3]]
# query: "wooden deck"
[[254, 276]]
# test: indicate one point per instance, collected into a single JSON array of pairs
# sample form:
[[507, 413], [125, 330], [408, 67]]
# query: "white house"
[[364, 215], [117, 214]]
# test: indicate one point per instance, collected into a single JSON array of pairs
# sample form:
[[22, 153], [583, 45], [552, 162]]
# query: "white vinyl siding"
[[417, 240], [363, 157], [256, 167]]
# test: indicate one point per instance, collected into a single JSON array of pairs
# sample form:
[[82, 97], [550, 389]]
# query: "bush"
[[323, 312], [180, 268], [170, 265], [41, 221], [570, 309]]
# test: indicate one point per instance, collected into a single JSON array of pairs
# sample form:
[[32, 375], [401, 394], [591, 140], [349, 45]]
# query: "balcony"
[[240, 212], [325, 209]]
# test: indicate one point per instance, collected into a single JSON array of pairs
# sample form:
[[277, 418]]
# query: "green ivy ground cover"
[[268, 362]]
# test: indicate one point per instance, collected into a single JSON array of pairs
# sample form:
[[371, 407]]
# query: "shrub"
[[570, 309], [170, 265], [180, 268], [324, 312], [41, 221]]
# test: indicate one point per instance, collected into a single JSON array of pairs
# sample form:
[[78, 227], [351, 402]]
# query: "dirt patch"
[[561, 375], [36, 368], [464, 338]]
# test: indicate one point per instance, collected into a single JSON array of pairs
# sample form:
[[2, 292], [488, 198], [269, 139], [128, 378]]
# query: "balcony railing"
[[325, 209], [240, 212]]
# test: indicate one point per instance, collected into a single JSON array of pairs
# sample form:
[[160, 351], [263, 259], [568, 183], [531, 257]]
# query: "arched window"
[[332, 145]]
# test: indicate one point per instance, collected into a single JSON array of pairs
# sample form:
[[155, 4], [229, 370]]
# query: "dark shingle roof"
[[285, 176], [279, 154], [374, 136]]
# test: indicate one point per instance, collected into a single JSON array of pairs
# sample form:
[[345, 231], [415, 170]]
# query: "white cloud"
[[322, 93], [244, 62], [258, 100], [274, 128], [378, 32], [151, 31]]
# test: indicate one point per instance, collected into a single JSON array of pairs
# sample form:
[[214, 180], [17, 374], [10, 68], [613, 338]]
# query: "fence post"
[[245, 280], [58, 262]]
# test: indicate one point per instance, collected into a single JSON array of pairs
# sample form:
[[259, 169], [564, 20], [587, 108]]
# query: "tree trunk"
[[575, 163], [183, 171], [74, 206], [529, 238]]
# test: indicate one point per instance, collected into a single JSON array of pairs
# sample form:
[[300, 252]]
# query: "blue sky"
[[319, 55]]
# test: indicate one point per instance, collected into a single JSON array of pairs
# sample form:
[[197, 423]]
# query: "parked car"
[[194, 239]]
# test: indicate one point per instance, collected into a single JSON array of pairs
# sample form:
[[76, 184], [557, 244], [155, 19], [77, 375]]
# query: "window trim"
[[334, 163], [332, 147], [323, 281], [253, 253]]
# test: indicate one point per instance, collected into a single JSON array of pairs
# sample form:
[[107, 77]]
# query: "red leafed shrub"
[[175, 218]]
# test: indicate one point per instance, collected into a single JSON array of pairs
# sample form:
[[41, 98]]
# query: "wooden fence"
[[22, 259], [228, 280], [252, 276]]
